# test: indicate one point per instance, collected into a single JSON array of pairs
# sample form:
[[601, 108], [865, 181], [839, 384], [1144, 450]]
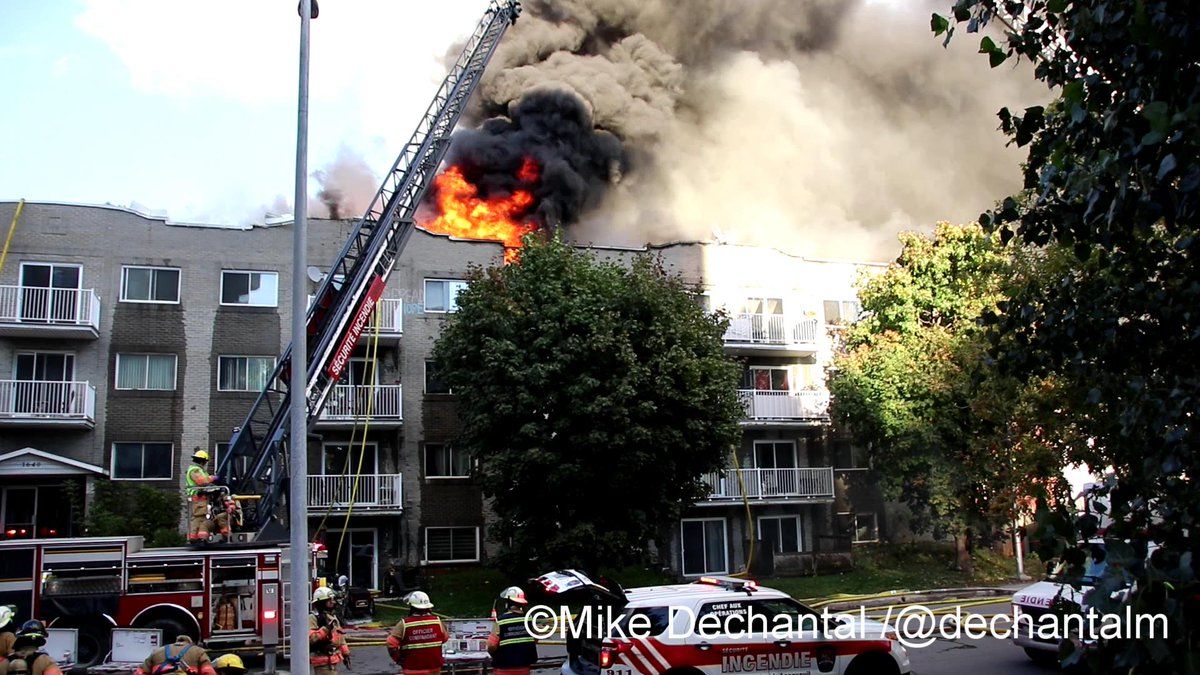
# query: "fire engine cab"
[[232, 599]]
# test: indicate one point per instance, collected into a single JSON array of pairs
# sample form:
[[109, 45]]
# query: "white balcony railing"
[[34, 305], [807, 482], [349, 402], [784, 405], [771, 329], [391, 317], [365, 492], [43, 400]]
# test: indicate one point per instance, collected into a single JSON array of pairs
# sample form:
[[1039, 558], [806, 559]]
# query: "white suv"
[[714, 626]]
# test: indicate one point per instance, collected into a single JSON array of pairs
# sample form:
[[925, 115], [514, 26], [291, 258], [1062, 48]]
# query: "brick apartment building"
[[128, 342]]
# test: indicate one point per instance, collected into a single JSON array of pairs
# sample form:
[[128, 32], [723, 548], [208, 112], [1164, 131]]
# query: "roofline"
[[49, 456]]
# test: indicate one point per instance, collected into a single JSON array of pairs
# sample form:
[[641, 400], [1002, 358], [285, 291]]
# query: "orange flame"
[[465, 215]]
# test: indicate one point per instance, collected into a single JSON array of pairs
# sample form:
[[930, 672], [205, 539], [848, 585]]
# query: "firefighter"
[[229, 664], [196, 478], [26, 657], [512, 648], [182, 656], [415, 643], [7, 637], [327, 645]]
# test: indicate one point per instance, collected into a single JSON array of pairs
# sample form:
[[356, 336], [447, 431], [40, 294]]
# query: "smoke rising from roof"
[[821, 127]]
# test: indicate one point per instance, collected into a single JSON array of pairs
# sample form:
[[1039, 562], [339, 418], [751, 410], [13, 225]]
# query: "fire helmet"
[[6, 615], [201, 455], [230, 662], [322, 594], [419, 600], [32, 632], [515, 595]]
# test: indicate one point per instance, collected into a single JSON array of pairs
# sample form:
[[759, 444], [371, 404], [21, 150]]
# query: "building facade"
[[128, 342]]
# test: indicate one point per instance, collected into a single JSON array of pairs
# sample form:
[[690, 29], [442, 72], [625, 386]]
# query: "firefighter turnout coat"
[[416, 644]]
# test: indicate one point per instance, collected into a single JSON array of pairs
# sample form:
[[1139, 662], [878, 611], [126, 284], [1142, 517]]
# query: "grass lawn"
[[469, 592]]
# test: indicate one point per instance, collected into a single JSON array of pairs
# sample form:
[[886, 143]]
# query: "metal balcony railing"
[[349, 402], [365, 492], [391, 317], [47, 400], [786, 405], [806, 482], [772, 329], [38, 306]]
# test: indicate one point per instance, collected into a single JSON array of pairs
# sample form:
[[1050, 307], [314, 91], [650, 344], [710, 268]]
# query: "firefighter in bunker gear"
[[7, 637], [196, 478], [181, 657], [229, 664], [415, 643], [512, 648], [26, 657], [327, 646]]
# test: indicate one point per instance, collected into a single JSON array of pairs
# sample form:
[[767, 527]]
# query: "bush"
[[123, 509]]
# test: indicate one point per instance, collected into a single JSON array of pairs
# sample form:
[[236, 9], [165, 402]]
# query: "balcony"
[[796, 484], [368, 493], [35, 403], [350, 404], [772, 333], [764, 406], [391, 320], [31, 311]]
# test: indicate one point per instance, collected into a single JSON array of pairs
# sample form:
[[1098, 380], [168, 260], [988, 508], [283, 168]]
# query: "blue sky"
[[191, 107]]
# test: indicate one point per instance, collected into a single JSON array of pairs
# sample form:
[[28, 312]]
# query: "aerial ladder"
[[255, 466]]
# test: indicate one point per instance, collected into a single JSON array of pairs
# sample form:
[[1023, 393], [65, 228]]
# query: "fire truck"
[[234, 595]]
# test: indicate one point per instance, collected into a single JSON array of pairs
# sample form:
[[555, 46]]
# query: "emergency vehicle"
[[232, 599], [669, 628]]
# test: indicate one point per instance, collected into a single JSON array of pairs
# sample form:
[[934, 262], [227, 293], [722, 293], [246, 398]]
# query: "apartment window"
[[441, 295], [451, 544], [860, 527], [446, 461], [146, 371], [781, 533], [841, 312], [433, 381], [149, 284], [253, 289], [766, 379], [775, 455], [705, 546], [244, 373], [141, 461]]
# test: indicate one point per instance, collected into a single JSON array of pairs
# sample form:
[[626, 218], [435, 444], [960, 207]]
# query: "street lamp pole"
[[297, 389]]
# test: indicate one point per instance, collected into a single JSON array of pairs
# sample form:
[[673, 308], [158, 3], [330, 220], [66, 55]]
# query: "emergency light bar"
[[731, 583]]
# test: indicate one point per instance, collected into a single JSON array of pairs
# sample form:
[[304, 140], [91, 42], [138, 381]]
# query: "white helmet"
[[322, 594], [419, 600], [6, 615], [515, 595]]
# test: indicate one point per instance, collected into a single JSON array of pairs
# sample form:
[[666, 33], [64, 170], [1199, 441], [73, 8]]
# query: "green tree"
[[594, 397], [1113, 172], [959, 444], [127, 509]]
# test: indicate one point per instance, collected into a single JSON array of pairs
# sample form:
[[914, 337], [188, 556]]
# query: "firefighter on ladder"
[[327, 645], [197, 478], [512, 648], [415, 643]]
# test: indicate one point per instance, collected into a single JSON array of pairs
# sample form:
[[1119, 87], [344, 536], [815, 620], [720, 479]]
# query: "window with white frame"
[[252, 289], [443, 460], [433, 381], [860, 527], [142, 461], [244, 373], [775, 455], [781, 533], [441, 295], [841, 312], [146, 371], [766, 378], [705, 546], [451, 544], [149, 284]]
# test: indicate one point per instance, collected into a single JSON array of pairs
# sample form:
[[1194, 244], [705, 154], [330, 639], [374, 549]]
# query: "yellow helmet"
[[229, 661], [201, 455]]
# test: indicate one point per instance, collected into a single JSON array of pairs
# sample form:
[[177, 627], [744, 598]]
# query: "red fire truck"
[[232, 599]]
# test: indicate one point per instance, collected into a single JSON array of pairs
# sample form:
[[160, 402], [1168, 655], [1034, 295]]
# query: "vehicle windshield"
[[1093, 568]]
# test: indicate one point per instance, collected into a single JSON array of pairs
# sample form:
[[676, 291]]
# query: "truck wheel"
[[95, 640], [873, 663]]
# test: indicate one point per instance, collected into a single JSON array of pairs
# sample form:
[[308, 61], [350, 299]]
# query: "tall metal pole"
[[298, 435]]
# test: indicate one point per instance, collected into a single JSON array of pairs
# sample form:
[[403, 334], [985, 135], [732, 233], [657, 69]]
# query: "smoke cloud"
[[822, 127], [347, 187]]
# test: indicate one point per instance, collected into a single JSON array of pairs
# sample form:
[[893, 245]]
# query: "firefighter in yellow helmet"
[[327, 646], [229, 664], [197, 477]]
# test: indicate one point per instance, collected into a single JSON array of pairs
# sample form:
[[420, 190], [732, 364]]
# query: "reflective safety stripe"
[[423, 645]]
